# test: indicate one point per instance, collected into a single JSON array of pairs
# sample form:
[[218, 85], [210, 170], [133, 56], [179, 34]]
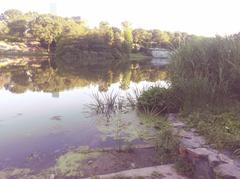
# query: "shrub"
[[158, 100]]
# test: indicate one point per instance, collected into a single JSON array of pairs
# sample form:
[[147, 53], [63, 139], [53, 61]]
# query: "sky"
[[200, 17]]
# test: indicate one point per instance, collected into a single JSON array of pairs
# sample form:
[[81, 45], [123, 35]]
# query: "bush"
[[158, 100]]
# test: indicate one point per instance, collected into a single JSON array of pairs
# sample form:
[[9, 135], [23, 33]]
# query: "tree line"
[[50, 30]]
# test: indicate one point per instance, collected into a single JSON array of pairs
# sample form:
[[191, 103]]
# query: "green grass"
[[221, 130]]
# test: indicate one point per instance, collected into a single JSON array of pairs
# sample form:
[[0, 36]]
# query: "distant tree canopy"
[[47, 29]]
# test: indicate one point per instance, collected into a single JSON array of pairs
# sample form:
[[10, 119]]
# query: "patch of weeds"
[[165, 142], [71, 163], [184, 167], [157, 175], [14, 172], [128, 147], [95, 177], [167, 146]]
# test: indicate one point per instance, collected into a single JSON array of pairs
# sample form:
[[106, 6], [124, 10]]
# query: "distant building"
[[53, 8], [160, 53]]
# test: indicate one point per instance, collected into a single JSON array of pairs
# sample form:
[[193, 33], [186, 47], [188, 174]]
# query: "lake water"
[[44, 111]]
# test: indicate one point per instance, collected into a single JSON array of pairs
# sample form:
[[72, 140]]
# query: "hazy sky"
[[203, 17]]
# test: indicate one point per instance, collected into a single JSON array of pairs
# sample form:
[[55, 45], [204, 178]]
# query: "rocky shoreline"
[[206, 161]]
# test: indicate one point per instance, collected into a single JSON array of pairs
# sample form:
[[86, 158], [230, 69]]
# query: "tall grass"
[[207, 72], [107, 103]]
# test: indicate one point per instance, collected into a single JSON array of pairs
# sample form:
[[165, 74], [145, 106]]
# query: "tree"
[[72, 28], [13, 14], [3, 28], [142, 37], [17, 27], [46, 28], [127, 32], [106, 31], [117, 38]]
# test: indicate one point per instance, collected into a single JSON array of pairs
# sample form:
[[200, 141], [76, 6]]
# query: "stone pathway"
[[156, 172], [208, 163]]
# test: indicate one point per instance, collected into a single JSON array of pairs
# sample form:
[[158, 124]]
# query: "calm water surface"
[[44, 111]]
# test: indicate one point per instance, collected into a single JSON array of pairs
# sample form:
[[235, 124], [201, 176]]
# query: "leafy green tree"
[[142, 37], [17, 27], [3, 28], [46, 28], [13, 14], [127, 32], [29, 16], [72, 28], [106, 31], [160, 38]]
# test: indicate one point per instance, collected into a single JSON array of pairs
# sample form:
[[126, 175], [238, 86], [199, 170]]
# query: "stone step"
[[208, 163], [161, 171]]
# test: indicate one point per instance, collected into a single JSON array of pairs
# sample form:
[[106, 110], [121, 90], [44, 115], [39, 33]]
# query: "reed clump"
[[205, 73]]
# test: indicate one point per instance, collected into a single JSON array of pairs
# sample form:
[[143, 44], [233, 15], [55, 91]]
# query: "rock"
[[199, 152], [178, 124], [190, 143], [227, 171], [214, 160], [193, 130], [225, 159], [207, 162], [133, 165], [52, 176], [184, 134], [90, 162]]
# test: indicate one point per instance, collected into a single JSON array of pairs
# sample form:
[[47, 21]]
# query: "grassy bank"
[[221, 130], [205, 87]]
